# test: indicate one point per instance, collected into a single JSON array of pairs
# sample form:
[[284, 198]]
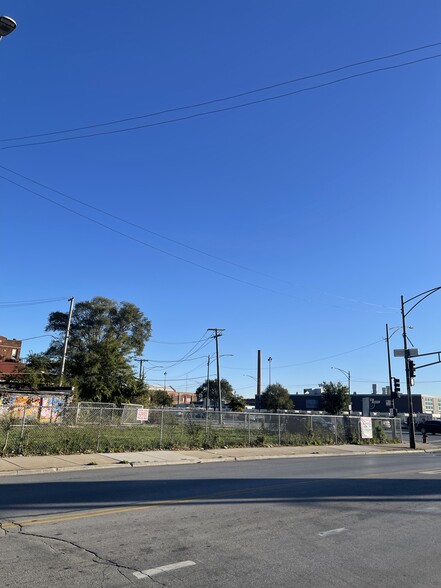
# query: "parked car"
[[429, 427]]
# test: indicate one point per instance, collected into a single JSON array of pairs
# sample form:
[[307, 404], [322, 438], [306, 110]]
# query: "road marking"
[[162, 569], [73, 516], [428, 509], [431, 472], [332, 532]]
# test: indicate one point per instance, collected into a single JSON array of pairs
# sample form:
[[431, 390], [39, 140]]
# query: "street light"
[[347, 374], [418, 298], [7, 26], [270, 359], [165, 381]]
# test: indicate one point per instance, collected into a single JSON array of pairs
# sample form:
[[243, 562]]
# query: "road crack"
[[96, 557]]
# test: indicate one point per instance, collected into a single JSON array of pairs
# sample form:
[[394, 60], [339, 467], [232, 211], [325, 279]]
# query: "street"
[[325, 521]]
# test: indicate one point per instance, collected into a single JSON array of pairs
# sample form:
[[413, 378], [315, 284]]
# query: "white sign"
[[366, 427], [142, 414]]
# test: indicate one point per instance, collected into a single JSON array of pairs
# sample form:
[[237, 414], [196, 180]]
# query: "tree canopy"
[[335, 397], [226, 391], [276, 397], [37, 371], [237, 403], [160, 398], [103, 336]]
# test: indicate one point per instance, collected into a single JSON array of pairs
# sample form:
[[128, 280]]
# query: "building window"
[[428, 404]]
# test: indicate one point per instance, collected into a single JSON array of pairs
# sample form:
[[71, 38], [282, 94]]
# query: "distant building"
[[177, 397], [423, 404], [10, 349]]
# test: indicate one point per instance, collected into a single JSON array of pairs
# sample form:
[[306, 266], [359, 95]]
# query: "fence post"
[[280, 432], [162, 429], [99, 431], [336, 429], [77, 413], [249, 430], [23, 422]]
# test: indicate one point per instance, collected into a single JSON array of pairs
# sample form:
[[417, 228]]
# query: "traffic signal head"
[[397, 388], [412, 369]]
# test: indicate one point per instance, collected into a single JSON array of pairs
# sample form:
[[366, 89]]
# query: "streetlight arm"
[[424, 295]]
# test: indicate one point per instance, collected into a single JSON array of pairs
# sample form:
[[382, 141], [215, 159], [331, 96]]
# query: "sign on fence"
[[366, 427], [142, 414]]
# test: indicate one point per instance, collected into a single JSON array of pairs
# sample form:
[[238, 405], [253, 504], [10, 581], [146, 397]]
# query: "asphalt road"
[[322, 522]]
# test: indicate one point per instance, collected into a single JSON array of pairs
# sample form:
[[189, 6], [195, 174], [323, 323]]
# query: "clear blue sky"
[[328, 199]]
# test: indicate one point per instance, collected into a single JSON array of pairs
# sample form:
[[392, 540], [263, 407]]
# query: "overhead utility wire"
[[30, 302], [224, 98], [116, 231], [370, 304], [203, 344], [226, 108], [314, 360], [136, 226]]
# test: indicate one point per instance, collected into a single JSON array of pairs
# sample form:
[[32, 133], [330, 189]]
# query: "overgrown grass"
[[55, 439]]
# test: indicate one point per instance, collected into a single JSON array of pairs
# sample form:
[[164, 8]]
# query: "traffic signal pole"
[[408, 381]]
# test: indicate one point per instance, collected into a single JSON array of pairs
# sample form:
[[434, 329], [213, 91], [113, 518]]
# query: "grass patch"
[[60, 439]]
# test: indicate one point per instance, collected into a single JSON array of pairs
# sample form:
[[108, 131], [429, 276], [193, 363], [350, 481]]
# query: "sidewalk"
[[21, 465]]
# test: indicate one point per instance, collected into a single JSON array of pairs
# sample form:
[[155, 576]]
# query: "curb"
[[217, 459]]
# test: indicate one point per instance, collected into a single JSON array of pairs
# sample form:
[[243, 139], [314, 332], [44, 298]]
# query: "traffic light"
[[396, 391], [412, 369]]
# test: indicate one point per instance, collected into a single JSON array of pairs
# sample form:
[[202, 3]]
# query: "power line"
[[12, 304], [224, 98], [135, 225], [314, 360], [139, 241], [226, 108]]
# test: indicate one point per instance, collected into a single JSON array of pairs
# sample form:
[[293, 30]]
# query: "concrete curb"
[[217, 459]]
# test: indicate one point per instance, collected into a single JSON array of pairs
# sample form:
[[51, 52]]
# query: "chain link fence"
[[106, 428]]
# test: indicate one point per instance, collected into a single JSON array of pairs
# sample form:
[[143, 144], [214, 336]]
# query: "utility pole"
[[218, 333], [270, 359], [259, 379], [207, 397], [141, 371], [66, 339], [391, 392]]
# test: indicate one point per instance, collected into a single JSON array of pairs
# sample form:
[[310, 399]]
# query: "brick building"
[[10, 349]]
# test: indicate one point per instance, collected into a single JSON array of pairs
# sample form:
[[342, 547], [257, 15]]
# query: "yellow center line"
[[44, 520]]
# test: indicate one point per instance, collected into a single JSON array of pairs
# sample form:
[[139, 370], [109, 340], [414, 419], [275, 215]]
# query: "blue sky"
[[311, 214]]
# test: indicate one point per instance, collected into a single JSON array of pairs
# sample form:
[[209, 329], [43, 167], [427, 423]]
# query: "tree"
[[237, 403], [37, 371], [226, 391], [160, 398], [276, 397], [103, 336], [336, 397]]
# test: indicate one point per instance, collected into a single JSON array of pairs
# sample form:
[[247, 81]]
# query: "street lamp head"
[[7, 26]]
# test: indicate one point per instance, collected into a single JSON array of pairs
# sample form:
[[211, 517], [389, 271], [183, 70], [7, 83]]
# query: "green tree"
[[160, 398], [103, 336], [226, 391], [237, 403], [276, 397], [37, 371], [335, 397]]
